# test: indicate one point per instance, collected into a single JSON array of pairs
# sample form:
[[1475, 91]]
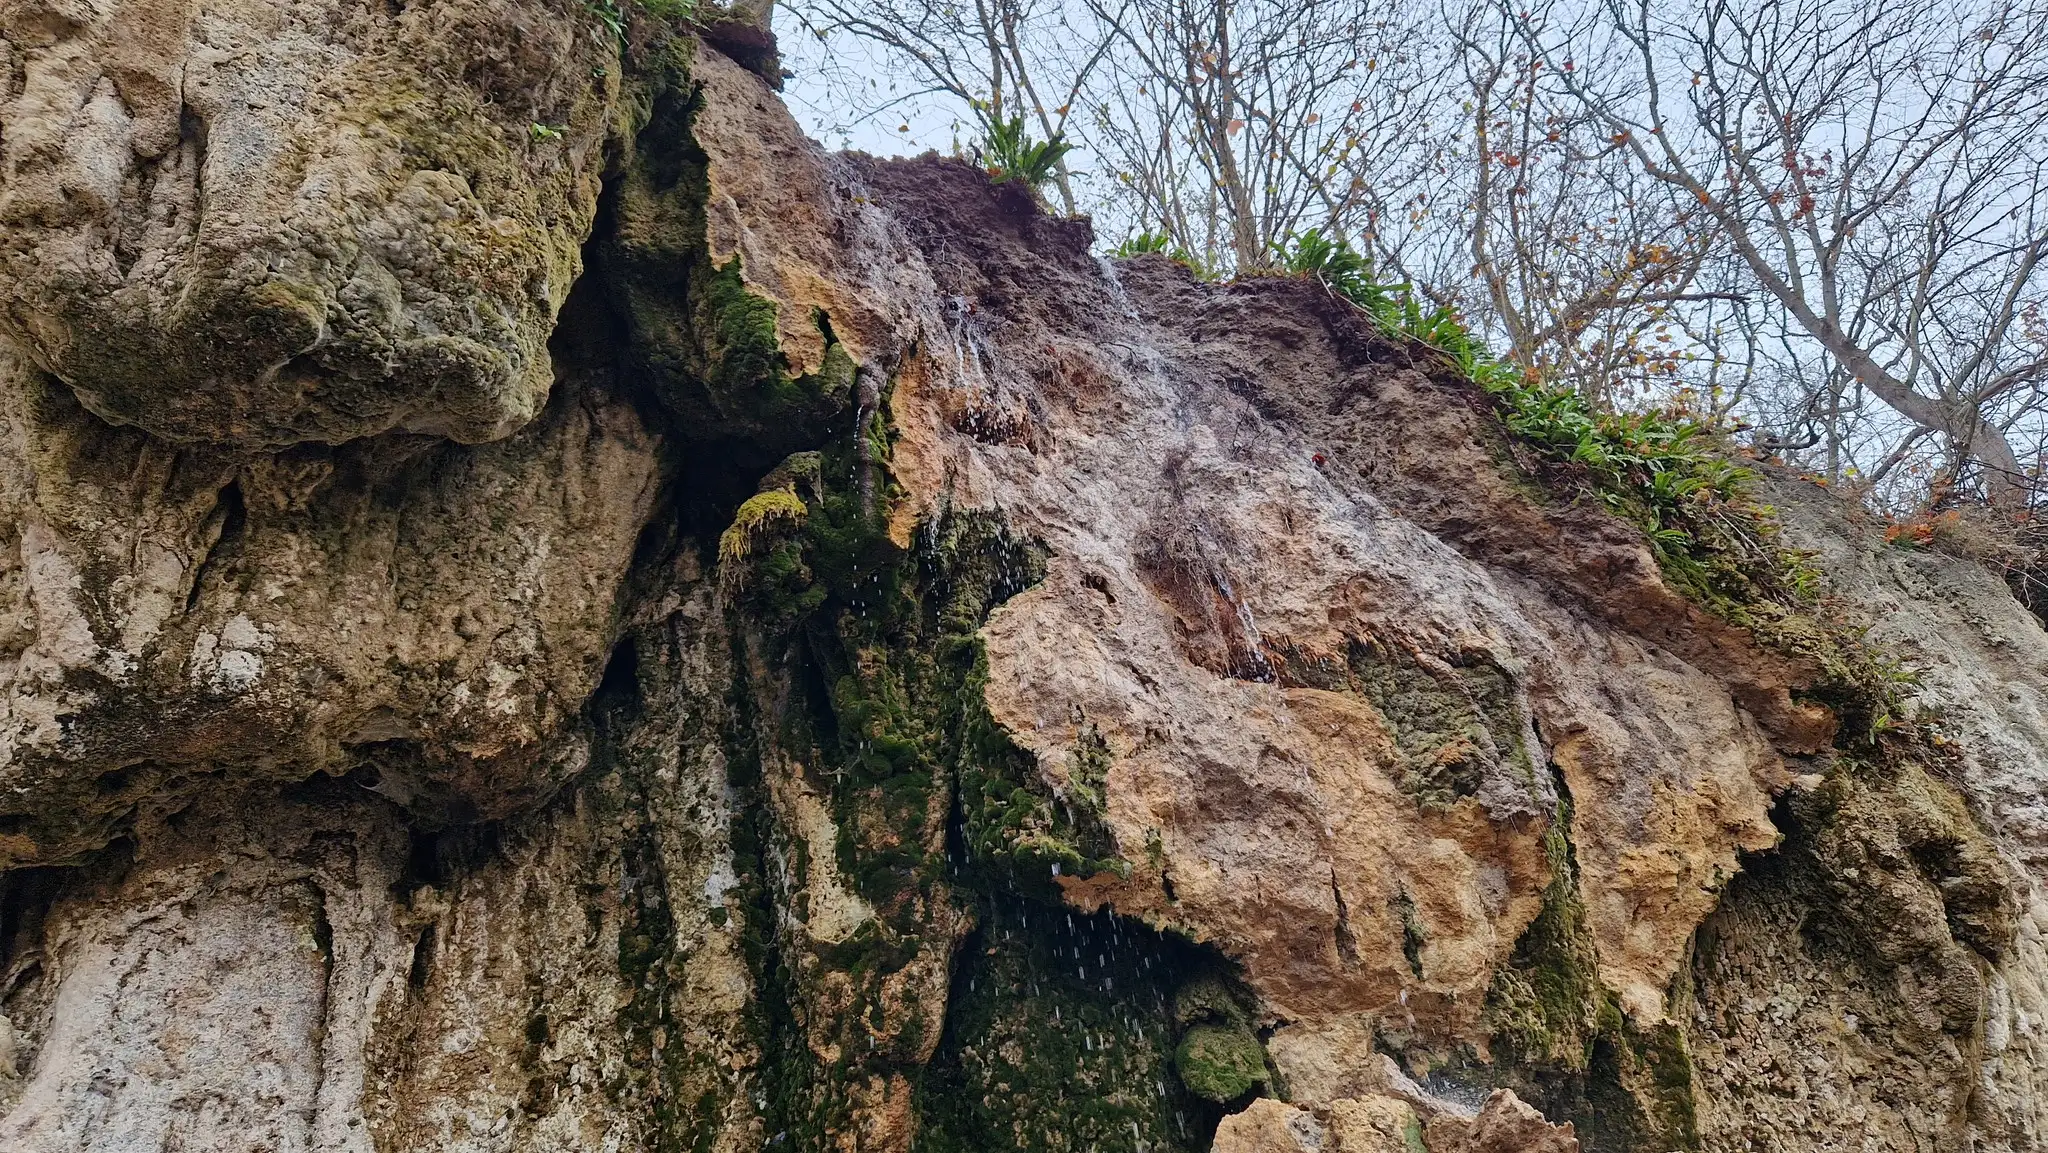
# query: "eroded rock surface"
[[861, 673], [180, 614], [271, 223]]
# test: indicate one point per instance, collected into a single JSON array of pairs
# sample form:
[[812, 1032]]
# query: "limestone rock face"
[[266, 223], [854, 671], [184, 614]]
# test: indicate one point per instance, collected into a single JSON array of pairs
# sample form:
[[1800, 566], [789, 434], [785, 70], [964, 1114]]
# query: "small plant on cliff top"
[[1346, 273], [613, 18], [1163, 244], [685, 10], [1143, 243], [608, 14], [1008, 152]]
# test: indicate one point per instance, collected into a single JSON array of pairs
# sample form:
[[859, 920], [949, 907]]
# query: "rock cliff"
[[539, 610]]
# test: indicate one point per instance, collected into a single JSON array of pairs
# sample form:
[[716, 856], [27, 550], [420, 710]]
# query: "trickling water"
[[974, 360], [1255, 642], [1116, 287]]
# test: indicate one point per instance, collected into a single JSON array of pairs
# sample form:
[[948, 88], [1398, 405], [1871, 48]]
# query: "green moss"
[[1088, 769], [1220, 1063], [750, 522], [1207, 997], [1015, 832], [1881, 829], [1657, 1066], [742, 348], [710, 347], [884, 705], [1454, 724], [1219, 1057], [1060, 1038], [1413, 936], [1560, 1039], [1547, 1007], [1057, 1038], [894, 636]]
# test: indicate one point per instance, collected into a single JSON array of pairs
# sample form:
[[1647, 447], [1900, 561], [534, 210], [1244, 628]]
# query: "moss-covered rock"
[[940, 821], [1560, 1038], [1061, 1038], [1219, 1063], [409, 202], [1455, 724], [708, 346]]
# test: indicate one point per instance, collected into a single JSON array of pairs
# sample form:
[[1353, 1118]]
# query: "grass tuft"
[[751, 520]]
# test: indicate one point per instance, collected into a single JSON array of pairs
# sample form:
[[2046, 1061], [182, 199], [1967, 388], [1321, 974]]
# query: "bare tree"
[[1821, 217], [1551, 241], [1875, 170], [1226, 125], [995, 59], [1232, 124]]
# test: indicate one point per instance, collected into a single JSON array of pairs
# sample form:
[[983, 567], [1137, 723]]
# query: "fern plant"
[[609, 15], [1009, 154], [1346, 273], [1143, 243]]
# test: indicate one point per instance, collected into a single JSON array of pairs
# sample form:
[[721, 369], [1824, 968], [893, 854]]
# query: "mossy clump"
[[1207, 998], [1219, 1057], [752, 520], [741, 373], [1220, 1063]]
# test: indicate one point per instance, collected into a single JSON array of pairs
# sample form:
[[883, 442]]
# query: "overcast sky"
[[909, 122]]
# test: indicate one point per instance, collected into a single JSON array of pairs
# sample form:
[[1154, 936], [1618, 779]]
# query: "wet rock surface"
[[849, 669]]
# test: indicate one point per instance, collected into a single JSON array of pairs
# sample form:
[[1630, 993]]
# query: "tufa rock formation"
[[541, 611]]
